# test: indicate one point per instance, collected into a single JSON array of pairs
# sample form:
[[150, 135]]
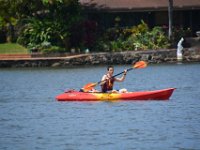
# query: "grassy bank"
[[12, 48]]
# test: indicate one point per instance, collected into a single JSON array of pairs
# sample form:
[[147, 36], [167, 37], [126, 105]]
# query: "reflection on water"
[[31, 118]]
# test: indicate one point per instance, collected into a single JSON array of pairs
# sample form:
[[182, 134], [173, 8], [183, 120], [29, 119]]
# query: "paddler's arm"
[[122, 77], [103, 80]]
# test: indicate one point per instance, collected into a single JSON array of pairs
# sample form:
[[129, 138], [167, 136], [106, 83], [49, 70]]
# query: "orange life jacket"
[[108, 85]]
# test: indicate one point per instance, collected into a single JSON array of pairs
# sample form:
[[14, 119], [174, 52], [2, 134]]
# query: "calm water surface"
[[31, 118]]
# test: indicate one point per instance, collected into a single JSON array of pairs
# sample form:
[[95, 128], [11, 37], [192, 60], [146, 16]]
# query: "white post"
[[179, 52]]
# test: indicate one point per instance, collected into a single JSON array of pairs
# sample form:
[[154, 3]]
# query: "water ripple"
[[31, 118]]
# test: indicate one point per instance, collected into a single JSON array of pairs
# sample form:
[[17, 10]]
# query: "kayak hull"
[[163, 94]]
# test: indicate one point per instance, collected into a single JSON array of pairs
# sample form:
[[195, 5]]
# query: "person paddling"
[[108, 80]]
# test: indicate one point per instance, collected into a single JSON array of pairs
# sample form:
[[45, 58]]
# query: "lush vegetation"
[[58, 26], [136, 38], [40, 23]]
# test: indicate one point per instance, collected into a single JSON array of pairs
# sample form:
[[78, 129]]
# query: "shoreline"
[[105, 58]]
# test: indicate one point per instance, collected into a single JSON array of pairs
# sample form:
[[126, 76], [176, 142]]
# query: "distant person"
[[108, 80]]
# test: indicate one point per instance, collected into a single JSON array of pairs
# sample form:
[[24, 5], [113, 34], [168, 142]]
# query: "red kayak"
[[72, 95]]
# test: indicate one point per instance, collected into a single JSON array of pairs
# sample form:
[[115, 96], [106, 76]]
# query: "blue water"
[[31, 118]]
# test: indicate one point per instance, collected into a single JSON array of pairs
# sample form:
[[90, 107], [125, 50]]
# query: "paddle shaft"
[[122, 72]]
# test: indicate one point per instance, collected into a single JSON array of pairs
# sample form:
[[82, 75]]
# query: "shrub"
[[138, 37]]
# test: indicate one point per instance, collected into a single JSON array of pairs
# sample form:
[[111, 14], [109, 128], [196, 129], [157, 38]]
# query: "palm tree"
[[170, 14]]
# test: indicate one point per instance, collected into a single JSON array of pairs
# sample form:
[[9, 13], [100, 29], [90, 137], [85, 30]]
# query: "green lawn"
[[12, 48]]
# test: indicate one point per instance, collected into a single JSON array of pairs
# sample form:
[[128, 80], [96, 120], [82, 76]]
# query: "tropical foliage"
[[58, 25], [41, 21], [52, 26], [138, 37]]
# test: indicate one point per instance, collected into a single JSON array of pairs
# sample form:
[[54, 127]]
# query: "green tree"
[[12, 11], [8, 17], [64, 15], [55, 16]]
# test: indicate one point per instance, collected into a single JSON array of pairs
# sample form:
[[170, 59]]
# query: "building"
[[186, 13]]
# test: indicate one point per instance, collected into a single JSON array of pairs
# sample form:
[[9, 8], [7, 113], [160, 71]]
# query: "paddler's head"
[[110, 70]]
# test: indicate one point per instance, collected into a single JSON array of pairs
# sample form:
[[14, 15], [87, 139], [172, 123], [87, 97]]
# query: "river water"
[[31, 118]]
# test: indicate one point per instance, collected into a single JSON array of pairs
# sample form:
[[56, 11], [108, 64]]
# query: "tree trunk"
[[170, 15], [66, 43], [10, 33]]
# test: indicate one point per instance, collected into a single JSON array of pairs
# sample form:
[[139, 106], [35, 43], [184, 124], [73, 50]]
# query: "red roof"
[[139, 5]]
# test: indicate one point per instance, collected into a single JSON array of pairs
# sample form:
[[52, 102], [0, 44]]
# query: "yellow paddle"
[[137, 65]]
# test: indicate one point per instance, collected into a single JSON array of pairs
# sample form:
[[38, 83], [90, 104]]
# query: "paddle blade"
[[140, 64], [89, 87]]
